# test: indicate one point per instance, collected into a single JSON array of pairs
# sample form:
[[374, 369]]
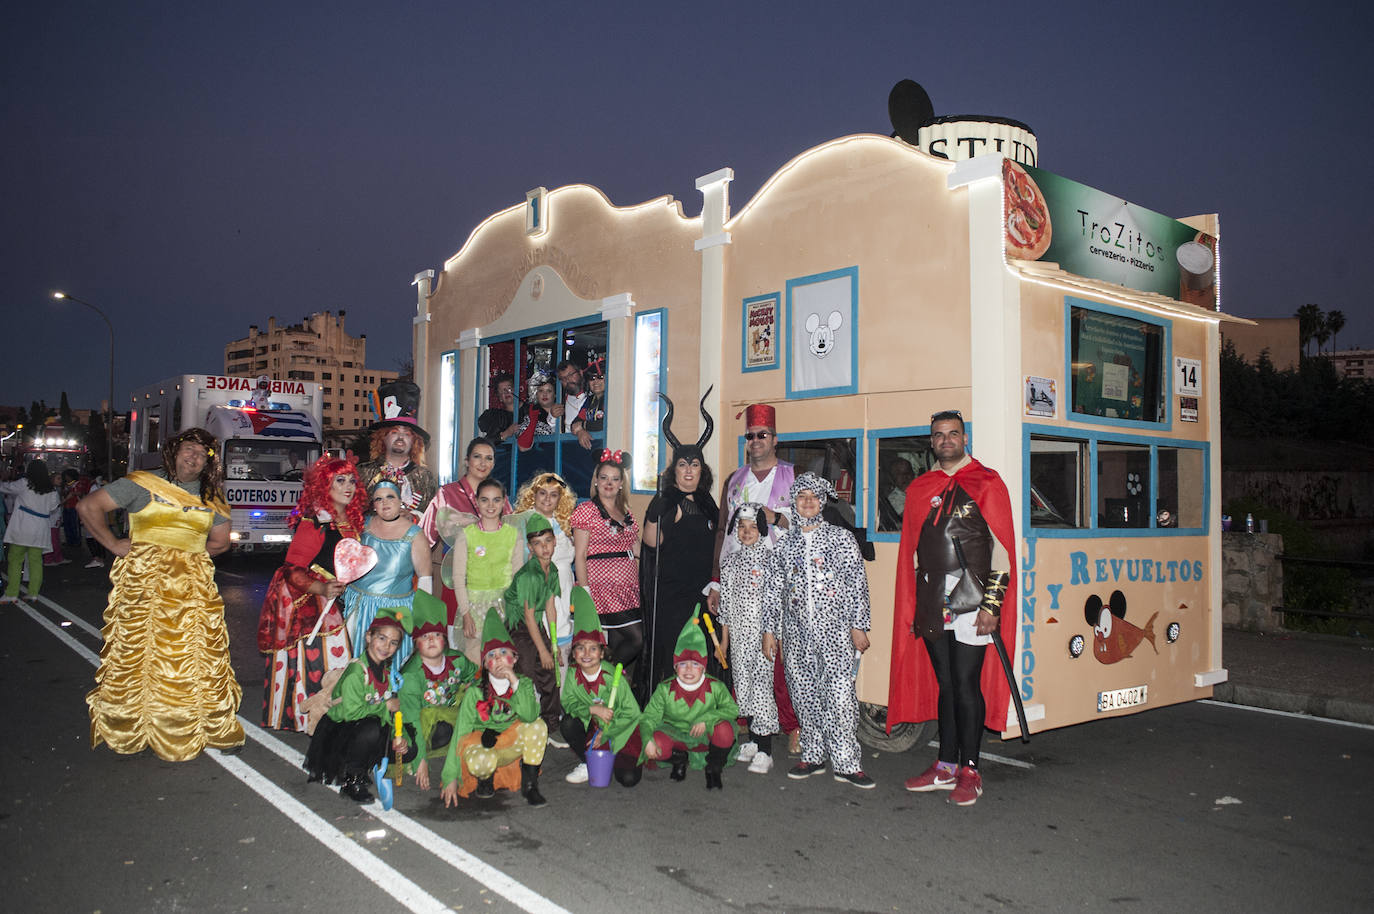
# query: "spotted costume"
[[746, 575], [821, 596]]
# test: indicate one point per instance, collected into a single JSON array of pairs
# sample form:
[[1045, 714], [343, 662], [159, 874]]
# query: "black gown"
[[687, 547]]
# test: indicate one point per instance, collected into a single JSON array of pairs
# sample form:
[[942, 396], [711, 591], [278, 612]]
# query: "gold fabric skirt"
[[164, 680]]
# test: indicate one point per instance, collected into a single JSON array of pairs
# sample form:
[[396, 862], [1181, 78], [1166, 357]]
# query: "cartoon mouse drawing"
[[823, 337], [1114, 638]]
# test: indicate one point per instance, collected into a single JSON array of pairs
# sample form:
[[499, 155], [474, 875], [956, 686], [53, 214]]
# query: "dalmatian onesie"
[[745, 579], [822, 594]]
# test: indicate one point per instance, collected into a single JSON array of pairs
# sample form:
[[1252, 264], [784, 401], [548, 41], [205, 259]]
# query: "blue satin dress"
[[389, 583]]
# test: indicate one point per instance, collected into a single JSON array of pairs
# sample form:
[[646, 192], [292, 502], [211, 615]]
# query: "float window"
[[900, 460], [1058, 482], [1123, 485], [1116, 366], [1179, 503]]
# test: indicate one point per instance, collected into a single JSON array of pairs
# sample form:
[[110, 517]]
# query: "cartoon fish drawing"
[[1115, 639]]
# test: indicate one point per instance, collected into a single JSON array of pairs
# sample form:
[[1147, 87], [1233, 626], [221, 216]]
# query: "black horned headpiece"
[[689, 451]]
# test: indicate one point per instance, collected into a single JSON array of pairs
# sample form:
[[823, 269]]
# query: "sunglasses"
[[947, 414], [750, 436]]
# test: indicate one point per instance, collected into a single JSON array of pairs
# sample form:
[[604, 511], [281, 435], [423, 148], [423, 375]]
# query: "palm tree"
[[1309, 320], [1335, 322]]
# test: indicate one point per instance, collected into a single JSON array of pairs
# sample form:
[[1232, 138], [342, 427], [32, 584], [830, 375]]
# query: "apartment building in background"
[[317, 349]]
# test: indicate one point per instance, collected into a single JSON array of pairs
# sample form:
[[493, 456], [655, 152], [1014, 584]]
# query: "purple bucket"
[[600, 762]]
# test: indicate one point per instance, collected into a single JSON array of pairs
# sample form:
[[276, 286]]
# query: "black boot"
[[715, 761], [355, 788], [679, 760], [485, 790], [529, 785]]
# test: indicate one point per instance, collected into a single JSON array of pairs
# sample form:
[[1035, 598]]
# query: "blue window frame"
[[822, 348], [883, 514], [1116, 363]]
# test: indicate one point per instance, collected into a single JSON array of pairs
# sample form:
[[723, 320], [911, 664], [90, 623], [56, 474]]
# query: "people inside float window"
[[599, 707], [433, 683], [499, 738], [301, 626], [540, 414], [678, 553], [165, 681], [606, 557], [402, 560]]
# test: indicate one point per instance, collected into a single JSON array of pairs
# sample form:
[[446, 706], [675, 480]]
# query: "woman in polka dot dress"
[[606, 560]]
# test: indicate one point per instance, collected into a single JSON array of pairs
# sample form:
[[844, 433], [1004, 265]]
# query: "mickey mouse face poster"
[[822, 337]]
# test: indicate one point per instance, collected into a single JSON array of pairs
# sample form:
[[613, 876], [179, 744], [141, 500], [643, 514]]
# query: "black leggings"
[[624, 644], [958, 667]]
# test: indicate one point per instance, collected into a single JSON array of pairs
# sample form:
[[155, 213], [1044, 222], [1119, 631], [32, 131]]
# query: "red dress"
[[295, 669], [612, 569]]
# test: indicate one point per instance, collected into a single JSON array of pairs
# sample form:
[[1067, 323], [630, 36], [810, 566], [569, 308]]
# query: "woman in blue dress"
[[402, 556]]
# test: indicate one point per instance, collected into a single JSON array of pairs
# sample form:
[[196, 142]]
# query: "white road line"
[[471, 866], [992, 757], [228, 574], [1293, 714], [372, 867], [76, 620]]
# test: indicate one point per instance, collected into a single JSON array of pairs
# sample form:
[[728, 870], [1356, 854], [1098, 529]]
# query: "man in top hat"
[[767, 481], [398, 447]]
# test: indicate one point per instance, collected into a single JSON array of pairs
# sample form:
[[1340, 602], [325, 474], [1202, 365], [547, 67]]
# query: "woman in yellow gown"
[[164, 680]]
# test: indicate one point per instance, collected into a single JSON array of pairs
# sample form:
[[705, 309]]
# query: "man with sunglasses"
[[767, 481], [954, 579]]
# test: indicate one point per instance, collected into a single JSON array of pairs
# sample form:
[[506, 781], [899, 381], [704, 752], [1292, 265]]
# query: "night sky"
[[194, 168]]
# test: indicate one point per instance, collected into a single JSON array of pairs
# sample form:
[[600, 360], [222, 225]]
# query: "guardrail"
[[1366, 567]]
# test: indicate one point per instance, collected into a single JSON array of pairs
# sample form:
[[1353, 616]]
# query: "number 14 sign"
[[1187, 377]]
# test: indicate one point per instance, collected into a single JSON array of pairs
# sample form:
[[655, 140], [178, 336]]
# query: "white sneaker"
[[762, 763], [557, 741], [747, 750], [9, 599], [578, 775], [95, 563]]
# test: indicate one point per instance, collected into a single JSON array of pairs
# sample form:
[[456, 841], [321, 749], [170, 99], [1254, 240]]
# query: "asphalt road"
[[1189, 807]]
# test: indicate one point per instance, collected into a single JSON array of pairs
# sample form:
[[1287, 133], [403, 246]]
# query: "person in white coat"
[[27, 535]]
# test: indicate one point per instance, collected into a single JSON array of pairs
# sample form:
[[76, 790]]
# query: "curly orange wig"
[[566, 502], [315, 495], [377, 446]]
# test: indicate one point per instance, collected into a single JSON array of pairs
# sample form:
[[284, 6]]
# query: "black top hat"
[[399, 404]]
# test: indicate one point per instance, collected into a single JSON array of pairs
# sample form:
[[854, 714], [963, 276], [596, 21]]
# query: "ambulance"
[[269, 432]]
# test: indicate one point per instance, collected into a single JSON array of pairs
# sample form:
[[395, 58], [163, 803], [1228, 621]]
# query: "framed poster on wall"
[[759, 344], [823, 334]]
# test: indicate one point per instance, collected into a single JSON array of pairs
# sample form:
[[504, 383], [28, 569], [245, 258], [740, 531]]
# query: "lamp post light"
[[109, 406]]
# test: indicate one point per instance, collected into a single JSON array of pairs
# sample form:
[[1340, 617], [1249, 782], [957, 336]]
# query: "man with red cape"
[[941, 667]]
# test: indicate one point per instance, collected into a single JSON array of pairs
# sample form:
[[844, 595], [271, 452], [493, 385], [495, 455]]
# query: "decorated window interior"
[[834, 459], [647, 381], [900, 459], [154, 413], [1135, 485], [448, 418], [261, 461], [533, 430], [1057, 483], [1116, 366]]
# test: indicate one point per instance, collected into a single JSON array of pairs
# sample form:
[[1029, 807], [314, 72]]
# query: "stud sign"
[[1187, 377]]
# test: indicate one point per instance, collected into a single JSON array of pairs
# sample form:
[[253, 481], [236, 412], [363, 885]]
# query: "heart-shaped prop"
[[352, 560]]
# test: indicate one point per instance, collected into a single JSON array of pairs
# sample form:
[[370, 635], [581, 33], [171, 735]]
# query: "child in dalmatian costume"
[[745, 577], [820, 613]]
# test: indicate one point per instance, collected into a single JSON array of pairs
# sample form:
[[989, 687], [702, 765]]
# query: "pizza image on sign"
[[1028, 218]]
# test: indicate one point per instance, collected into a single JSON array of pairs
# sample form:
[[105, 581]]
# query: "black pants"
[[343, 749], [545, 681], [958, 667]]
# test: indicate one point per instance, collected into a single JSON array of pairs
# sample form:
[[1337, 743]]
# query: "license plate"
[[1121, 698]]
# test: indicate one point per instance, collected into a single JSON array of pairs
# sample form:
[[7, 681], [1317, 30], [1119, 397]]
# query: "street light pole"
[[109, 407]]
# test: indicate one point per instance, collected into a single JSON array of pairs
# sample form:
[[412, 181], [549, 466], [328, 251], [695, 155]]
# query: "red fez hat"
[[760, 414]]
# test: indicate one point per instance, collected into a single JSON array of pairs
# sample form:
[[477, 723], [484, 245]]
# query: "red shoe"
[[969, 788], [933, 778]]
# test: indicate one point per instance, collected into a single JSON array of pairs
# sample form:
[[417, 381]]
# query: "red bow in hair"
[[610, 456]]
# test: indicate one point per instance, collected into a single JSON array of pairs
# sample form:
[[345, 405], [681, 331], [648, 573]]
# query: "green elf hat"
[[494, 634], [586, 623], [691, 644], [536, 525], [429, 615], [393, 616]]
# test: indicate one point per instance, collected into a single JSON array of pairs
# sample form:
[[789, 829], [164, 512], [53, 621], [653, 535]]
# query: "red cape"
[[912, 694]]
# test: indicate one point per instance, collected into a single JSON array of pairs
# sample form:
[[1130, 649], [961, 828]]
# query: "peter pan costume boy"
[[533, 586], [499, 738], [580, 695], [676, 707], [430, 696]]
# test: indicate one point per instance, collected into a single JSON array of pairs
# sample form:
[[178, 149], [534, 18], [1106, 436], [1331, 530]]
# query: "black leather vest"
[[956, 515]]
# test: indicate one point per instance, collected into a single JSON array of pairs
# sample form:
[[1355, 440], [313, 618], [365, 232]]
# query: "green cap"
[[691, 643], [429, 614], [494, 633], [537, 524], [586, 623]]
